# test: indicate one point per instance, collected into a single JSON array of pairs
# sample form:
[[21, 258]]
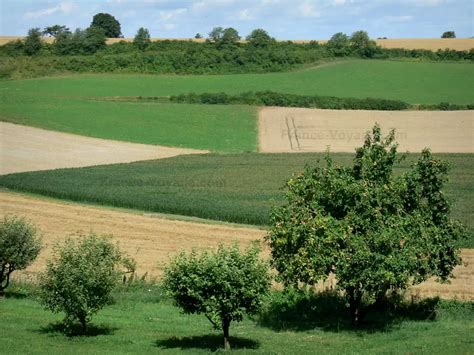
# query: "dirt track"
[[312, 130], [25, 148], [151, 240]]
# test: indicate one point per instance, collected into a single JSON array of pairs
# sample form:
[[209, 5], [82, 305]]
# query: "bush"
[[33, 42], [374, 231], [223, 285], [80, 278], [19, 247], [269, 98]]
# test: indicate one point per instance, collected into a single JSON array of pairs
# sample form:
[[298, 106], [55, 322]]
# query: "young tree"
[[361, 44], [33, 42], [223, 285], [19, 247], [448, 34], [54, 31], [142, 38], [79, 279], [216, 34], [198, 36], [339, 45], [373, 230], [108, 23], [94, 39], [259, 38], [230, 36]]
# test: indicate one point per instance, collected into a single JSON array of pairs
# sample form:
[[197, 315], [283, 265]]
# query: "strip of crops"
[[239, 188]]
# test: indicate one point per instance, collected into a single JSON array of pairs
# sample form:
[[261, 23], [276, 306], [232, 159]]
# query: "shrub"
[[79, 279], [19, 247], [270, 98], [374, 231], [33, 42], [223, 285]]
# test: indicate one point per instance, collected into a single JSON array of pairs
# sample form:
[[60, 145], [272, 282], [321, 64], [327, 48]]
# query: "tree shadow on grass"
[[76, 330], [328, 311], [210, 342]]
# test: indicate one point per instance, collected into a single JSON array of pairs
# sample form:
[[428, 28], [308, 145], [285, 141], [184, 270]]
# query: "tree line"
[[85, 50]]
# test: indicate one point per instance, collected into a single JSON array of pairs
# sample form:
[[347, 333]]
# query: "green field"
[[237, 188], [413, 82], [73, 103], [144, 321]]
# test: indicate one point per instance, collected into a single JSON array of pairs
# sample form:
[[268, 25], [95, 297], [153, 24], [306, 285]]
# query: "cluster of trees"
[[377, 233]]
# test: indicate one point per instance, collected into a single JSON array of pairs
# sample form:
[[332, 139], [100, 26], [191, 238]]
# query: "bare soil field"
[[151, 239], [459, 44], [314, 130], [25, 148]]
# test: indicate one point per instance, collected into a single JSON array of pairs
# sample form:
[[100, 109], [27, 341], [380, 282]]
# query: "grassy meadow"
[[239, 188], [142, 320], [75, 104], [413, 82]]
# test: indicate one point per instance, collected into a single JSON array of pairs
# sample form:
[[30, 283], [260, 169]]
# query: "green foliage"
[[108, 23], [142, 39], [216, 34], [80, 278], [33, 42], [230, 36], [361, 45], [19, 247], [448, 34], [259, 38], [339, 45], [223, 285], [86, 41], [269, 98], [375, 232], [55, 30]]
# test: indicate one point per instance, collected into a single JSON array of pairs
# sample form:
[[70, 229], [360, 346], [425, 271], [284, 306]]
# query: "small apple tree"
[[222, 285], [373, 230], [80, 278], [19, 247]]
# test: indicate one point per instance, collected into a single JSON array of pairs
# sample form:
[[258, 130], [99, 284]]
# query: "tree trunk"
[[354, 305], [83, 322], [225, 328]]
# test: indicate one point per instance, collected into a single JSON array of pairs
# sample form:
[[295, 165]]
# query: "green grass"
[[70, 103], [237, 188], [143, 321], [413, 82], [217, 128]]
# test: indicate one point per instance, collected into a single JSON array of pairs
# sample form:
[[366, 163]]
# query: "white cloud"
[[171, 14], [64, 7], [338, 2], [307, 9], [246, 15]]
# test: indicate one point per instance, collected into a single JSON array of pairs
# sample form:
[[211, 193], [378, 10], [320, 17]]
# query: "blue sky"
[[283, 19]]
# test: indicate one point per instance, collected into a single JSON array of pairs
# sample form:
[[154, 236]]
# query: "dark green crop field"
[[143, 321], [239, 188]]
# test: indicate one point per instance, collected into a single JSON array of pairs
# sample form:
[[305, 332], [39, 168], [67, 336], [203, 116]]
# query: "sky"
[[283, 19]]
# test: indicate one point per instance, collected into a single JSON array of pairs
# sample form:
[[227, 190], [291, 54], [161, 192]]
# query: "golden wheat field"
[[460, 44]]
